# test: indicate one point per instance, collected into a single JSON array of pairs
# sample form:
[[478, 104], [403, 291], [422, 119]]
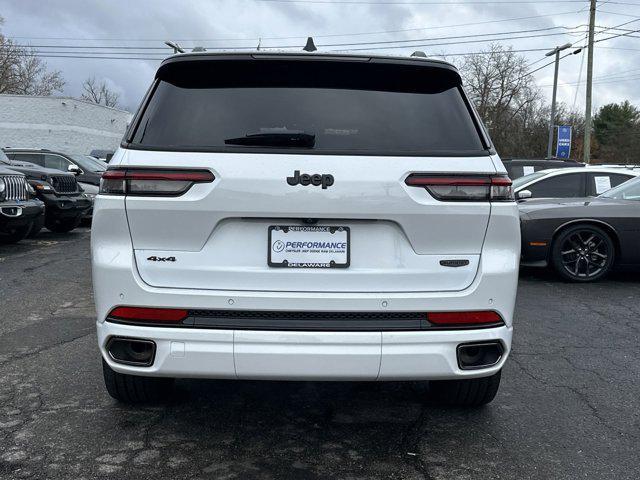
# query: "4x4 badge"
[[153, 258], [326, 180]]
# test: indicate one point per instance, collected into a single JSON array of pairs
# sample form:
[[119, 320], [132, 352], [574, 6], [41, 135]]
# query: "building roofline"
[[55, 97]]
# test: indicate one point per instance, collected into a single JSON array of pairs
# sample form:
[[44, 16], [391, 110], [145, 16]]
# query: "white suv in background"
[[305, 217], [572, 182]]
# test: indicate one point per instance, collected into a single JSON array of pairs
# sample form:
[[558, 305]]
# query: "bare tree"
[[23, 73], [507, 100], [99, 93]]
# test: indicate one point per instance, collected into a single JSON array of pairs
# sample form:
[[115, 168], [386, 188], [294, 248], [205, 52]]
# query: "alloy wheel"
[[585, 254]]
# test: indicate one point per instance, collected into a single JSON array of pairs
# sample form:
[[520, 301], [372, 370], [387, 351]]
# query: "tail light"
[[466, 188], [465, 319], [143, 314], [141, 182]]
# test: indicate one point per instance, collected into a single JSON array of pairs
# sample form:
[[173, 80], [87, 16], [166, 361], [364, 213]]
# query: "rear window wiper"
[[290, 138]]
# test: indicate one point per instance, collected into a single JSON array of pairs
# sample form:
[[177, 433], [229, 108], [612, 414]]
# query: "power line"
[[458, 54], [112, 47], [619, 14], [575, 97], [599, 82], [621, 48], [624, 3], [387, 44], [380, 42], [263, 37], [617, 27], [94, 57], [583, 46], [450, 37], [81, 54], [416, 2], [88, 52], [610, 76], [618, 35], [453, 43], [539, 60], [114, 54]]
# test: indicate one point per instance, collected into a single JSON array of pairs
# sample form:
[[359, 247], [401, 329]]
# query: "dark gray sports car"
[[583, 238]]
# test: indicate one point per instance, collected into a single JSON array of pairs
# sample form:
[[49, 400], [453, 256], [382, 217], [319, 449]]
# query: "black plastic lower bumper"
[[305, 321], [65, 207], [19, 214]]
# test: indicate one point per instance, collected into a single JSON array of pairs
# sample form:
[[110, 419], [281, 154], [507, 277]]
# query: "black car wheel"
[[134, 389], [15, 235], [62, 226], [583, 253], [471, 392]]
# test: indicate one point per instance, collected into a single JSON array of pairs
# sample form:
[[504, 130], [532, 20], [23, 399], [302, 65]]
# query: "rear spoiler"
[[409, 74]]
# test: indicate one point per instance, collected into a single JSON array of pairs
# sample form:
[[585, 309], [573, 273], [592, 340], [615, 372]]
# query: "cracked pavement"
[[568, 407]]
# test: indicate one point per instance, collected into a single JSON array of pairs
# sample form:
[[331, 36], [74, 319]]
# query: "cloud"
[[239, 23]]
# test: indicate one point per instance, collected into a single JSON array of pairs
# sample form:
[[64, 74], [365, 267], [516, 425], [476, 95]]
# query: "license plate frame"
[[310, 230]]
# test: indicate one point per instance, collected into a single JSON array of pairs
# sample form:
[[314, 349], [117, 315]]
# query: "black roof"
[[540, 161]]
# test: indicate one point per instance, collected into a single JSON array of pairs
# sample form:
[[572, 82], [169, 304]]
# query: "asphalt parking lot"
[[569, 405]]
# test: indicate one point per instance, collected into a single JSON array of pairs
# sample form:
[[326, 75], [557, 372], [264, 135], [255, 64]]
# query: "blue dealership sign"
[[563, 148]]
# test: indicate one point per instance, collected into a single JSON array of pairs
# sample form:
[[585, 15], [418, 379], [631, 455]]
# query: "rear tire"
[[583, 253], [133, 389], [62, 226], [472, 392]]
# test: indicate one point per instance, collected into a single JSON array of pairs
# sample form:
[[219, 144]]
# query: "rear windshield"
[[419, 110]]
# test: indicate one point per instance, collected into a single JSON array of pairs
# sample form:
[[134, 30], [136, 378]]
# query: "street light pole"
[[176, 48], [556, 51]]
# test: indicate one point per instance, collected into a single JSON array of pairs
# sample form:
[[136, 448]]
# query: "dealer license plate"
[[308, 247]]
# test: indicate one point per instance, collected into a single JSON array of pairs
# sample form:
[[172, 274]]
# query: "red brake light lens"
[[143, 314], [464, 188], [464, 318], [142, 182]]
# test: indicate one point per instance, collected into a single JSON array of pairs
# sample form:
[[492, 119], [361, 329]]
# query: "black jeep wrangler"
[[65, 203], [19, 209]]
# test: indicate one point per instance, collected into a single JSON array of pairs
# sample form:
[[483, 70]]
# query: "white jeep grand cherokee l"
[[305, 217]]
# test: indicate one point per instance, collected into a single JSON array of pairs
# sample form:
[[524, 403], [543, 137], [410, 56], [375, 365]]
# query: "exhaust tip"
[[132, 351], [473, 356]]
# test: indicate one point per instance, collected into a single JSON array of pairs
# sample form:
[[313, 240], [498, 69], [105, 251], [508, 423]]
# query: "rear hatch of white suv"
[[306, 173]]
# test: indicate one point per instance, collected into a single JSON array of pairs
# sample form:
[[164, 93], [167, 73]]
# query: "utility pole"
[[587, 113], [556, 51]]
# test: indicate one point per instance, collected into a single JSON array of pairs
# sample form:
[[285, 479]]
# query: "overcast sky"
[[49, 25]]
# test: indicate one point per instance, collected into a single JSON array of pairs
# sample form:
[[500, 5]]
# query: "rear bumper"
[[229, 353], [280, 355]]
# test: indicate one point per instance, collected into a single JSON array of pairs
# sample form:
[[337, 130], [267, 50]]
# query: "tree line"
[[512, 106], [516, 112]]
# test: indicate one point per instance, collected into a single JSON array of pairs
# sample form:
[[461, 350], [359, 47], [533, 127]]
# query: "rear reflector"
[[142, 314], [142, 182], [464, 318], [464, 188]]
